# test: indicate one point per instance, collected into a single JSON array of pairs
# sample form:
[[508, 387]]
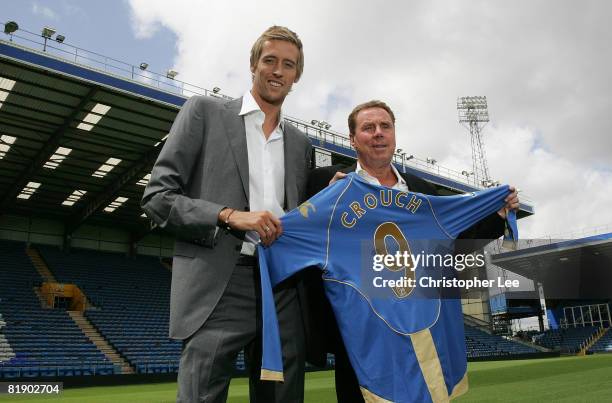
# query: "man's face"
[[374, 137], [275, 71]]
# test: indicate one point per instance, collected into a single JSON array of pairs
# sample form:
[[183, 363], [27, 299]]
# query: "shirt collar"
[[249, 105], [363, 173]]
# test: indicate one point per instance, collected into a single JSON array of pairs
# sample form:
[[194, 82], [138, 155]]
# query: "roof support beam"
[[43, 154], [106, 195]]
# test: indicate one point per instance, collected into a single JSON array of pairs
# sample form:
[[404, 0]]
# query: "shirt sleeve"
[[511, 231], [168, 198], [455, 214], [302, 244]]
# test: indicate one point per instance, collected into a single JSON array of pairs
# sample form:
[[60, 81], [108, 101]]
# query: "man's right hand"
[[266, 224], [339, 175]]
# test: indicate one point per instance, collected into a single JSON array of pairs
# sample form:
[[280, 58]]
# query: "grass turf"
[[566, 379]]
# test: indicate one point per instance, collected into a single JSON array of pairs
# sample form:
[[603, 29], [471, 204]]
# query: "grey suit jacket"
[[202, 168]]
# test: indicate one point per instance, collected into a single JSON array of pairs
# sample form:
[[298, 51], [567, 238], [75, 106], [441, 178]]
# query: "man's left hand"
[[512, 203]]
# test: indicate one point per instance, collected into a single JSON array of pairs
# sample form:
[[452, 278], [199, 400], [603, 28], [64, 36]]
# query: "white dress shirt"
[[400, 185], [266, 165]]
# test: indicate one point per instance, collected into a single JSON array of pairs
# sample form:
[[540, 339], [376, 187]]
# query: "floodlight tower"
[[474, 115]]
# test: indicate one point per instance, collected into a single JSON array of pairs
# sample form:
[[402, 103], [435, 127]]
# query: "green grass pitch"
[[566, 379]]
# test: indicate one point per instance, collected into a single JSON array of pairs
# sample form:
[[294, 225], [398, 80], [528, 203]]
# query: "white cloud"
[[568, 195], [543, 65], [44, 11]]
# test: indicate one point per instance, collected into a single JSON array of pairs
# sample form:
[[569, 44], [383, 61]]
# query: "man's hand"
[[267, 225], [512, 203], [339, 175]]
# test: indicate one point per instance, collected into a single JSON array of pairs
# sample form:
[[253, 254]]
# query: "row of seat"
[[67, 370], [604, 344], [45, 342], [480, 343], [132, 297], [568, 340]]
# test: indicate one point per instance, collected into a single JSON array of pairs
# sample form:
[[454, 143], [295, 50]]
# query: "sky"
[[544, 67]]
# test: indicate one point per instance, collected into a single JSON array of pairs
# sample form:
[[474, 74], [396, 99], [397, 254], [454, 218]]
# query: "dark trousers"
[[207, 359], [347, 386]]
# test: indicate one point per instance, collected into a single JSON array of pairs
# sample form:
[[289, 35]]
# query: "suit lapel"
[[291, 150], [349, 169], [412, 184], [236, 133]]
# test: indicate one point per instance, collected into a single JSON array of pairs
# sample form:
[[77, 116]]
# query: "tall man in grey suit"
[[226, 172]]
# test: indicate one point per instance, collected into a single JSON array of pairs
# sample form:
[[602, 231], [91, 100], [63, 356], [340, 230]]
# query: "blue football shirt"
[[405, 341]]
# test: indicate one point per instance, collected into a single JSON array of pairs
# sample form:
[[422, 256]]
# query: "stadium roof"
[[568, 269], [73, 146], [77, 142]]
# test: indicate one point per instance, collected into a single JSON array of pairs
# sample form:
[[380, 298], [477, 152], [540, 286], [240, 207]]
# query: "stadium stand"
[[569, 340], [44, 342], [483, 344], [132, 297], [604, 344]]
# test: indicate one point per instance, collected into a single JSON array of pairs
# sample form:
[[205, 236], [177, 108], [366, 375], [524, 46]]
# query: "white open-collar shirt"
[[400, 185], [266, 164]]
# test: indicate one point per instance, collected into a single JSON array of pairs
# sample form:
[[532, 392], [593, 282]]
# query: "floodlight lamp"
[[327, 126], [10, 27], [314, 122], [48, 32], [216, 90], [171, 74], [399, 151], [60, 38], [143, 66]]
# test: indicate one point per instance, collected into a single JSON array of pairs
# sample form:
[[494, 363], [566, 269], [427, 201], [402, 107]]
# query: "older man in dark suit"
[[372, 134], [225, 174]]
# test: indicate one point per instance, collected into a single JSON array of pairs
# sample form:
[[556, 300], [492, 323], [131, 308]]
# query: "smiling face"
[[374, 137], [275, 72]]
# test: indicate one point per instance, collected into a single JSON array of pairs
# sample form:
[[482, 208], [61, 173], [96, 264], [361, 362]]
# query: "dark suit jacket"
[[202, 168], [322, 333]]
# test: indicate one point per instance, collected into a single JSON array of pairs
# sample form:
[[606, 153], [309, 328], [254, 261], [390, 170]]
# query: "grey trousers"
[[207, 358]]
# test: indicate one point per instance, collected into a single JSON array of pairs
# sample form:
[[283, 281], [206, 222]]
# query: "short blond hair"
[[278, 33], [352, 119]]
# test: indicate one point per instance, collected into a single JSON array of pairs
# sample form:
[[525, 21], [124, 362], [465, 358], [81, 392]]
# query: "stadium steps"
[[42, 269], [100, 342], [40, 265], [601, 333], [477, 323], [41, 298], [532, 345]]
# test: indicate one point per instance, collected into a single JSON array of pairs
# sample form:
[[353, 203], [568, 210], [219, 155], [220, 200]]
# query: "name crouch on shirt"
[[371, 201]]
